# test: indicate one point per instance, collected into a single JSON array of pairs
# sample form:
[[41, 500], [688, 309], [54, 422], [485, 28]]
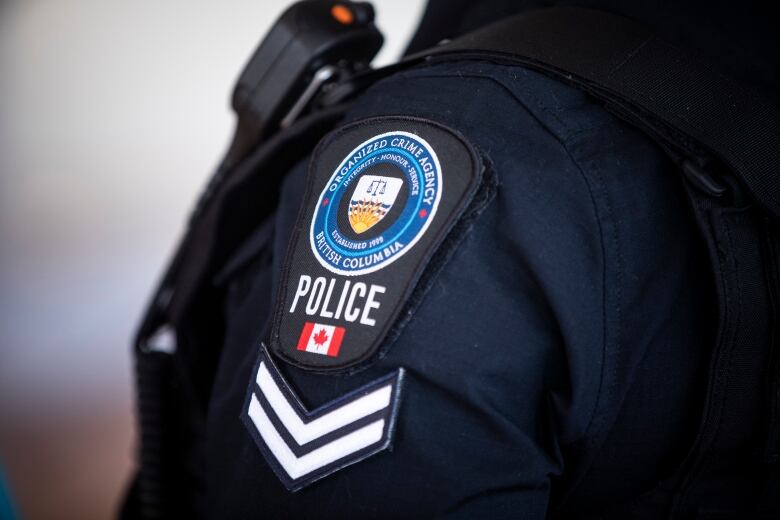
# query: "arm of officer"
[[529, 332]]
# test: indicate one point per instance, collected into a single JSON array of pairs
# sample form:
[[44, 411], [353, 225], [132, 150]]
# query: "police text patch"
[[382, 195]]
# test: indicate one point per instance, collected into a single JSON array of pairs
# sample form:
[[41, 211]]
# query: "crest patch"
[[392, 170], [382, 195]]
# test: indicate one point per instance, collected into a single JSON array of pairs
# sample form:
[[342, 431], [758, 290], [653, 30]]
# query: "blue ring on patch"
[[421, 173]]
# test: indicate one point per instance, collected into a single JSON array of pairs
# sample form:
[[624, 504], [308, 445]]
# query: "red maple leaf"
[[321, 337]]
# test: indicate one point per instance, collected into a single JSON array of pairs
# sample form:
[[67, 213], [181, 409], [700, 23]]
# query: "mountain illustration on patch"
[[373, 197]]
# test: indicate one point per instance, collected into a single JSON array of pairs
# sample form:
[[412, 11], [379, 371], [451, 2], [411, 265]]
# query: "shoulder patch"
[[382, 195]]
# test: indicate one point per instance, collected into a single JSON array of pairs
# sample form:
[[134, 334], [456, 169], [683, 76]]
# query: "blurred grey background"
[[112, 116]]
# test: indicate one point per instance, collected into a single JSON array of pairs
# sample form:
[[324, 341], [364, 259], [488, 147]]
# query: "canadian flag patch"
[[321, 339]]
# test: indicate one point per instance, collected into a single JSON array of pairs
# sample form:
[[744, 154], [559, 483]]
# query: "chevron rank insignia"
[[302, 446]]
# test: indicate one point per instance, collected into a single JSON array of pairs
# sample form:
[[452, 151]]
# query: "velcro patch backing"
[[382, 195]]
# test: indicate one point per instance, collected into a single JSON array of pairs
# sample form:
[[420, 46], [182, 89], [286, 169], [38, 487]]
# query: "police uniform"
[[580, 259], [480, 296]]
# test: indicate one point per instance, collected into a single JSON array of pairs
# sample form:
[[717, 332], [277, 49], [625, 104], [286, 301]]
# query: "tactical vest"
[[724, 137]]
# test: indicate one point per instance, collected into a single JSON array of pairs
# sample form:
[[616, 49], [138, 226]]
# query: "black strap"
[[723, 470], [685, 103]]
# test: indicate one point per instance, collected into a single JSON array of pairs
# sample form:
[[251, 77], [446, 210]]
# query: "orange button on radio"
[[342, 14]]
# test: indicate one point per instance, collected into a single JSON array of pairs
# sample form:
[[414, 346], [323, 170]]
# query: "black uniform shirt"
[[556, 359]]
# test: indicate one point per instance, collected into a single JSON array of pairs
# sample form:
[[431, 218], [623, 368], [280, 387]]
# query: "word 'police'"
[[350, 295]]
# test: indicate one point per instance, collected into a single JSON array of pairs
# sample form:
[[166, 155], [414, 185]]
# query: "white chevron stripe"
[[341, 416], [299, 466]]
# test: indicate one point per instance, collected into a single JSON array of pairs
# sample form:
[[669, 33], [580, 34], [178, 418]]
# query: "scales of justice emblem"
[[373, 197]]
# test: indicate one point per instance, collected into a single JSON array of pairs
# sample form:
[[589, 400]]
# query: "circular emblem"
[[377, 204]]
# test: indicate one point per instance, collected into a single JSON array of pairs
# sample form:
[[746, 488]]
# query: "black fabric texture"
[[695, 110], [741, 38], [556, 360], [676, 96], [726, 454]]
